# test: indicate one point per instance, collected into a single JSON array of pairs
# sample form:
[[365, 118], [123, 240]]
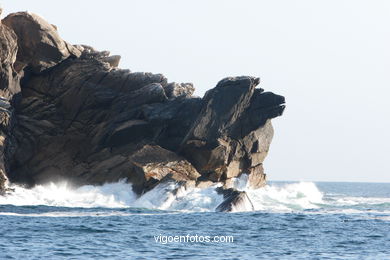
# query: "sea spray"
[[288, 197], [166, 196], [170, 196], [63, 194], [346, 218]]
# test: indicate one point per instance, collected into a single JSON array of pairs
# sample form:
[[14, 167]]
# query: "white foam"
[[166, 196], [289, 197], [61, 214], [112, 195], [170, 197], [354, 201]]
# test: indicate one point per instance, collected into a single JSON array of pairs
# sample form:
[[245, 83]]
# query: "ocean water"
[[302, 220]]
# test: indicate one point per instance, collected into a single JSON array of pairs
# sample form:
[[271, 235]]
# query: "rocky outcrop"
[[232, 133], [70, 113], [40, 46]]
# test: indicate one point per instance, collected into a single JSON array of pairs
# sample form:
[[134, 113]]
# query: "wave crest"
[[168, 196], [288, 197], [63, 194]]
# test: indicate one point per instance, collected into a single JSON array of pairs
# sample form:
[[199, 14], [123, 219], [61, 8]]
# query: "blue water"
[[291, 221]]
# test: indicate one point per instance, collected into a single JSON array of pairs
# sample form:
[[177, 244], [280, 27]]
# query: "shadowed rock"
[[74, 115], [232, 133], [175, 90], [9, 85], [234, 200], [155, 164]]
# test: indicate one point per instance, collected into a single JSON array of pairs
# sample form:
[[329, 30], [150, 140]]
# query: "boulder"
[[112, 60], [40, 46], [256, 177], [175, 90], [157, 164], [234, 201]]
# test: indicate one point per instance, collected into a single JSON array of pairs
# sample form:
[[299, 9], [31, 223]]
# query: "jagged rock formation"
[[231, 134], [69, 112]]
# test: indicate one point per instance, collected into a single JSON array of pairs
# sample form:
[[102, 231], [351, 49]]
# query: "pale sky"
[[330, 59]]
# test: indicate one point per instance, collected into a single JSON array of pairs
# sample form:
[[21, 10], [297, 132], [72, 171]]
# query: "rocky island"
[[69, 112]]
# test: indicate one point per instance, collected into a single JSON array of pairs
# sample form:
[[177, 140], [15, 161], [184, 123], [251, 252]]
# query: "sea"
[[291, 220]]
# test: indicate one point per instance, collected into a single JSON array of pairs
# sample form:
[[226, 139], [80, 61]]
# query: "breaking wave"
[[63, 194], [288, 197]]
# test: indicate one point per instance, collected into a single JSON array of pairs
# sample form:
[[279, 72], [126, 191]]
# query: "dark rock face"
[[232, 133], [234, 200], [70, 112]]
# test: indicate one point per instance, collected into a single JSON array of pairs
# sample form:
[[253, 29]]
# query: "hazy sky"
[[330, 59]]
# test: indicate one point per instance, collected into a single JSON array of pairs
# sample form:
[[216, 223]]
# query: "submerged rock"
[[234, 200], [73, 114]]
